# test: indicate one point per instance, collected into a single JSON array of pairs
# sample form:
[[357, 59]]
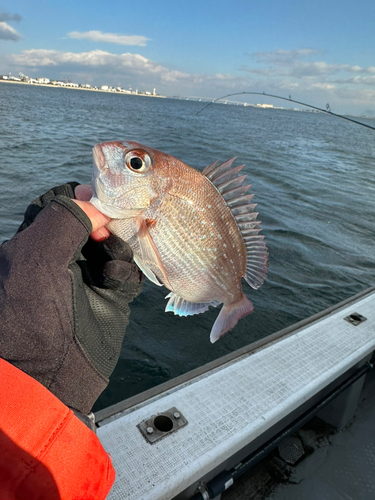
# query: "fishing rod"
[[327, 110]]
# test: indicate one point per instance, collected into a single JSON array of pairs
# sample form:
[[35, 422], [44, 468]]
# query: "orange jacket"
[[46, 452]]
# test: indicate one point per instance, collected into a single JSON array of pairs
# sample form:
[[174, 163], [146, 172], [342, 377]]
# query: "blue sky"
[[316, 51]]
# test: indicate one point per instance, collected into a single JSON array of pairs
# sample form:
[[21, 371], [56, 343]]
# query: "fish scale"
[[173, 228], [195, 233]]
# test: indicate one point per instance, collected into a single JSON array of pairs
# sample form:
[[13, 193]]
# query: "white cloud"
[[323, 86], [346, 87], [360, 80], [8, 33], [98, 36], [305, 73], [283, 56], [293, 63], [97, 59], [294, 66]]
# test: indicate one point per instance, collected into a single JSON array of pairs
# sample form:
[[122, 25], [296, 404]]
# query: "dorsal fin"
[[231, 187], [215, 170], [227, 175]]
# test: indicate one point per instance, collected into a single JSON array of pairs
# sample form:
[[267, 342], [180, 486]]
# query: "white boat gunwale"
[[122, 406]]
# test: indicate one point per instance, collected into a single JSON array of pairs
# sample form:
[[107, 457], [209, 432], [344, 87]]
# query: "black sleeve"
[[64, 302]]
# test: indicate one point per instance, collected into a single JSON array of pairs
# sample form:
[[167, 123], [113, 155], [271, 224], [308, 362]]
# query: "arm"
[[63, 312]]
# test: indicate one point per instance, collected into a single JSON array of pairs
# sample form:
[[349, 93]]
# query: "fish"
[[194, 232]]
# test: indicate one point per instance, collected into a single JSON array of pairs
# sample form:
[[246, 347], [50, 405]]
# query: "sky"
[[317, 51]]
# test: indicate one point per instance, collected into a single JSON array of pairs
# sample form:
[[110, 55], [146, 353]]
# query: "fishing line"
[[327, 110]]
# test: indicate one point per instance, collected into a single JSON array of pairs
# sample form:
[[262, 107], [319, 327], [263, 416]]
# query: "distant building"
[[58, 83]]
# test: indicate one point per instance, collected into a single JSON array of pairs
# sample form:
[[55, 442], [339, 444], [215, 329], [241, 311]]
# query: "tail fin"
[[229, 316]]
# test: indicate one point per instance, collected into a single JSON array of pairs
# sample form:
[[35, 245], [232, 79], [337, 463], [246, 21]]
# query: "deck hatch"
[[355, 318], [162, 424]]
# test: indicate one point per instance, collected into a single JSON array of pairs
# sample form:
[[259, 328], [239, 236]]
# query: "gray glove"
[[64, 299]]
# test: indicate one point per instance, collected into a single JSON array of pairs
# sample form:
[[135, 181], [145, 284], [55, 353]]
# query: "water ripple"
[[313, 181]]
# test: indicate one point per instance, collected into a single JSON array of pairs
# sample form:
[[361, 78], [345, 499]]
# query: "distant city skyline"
[[31, 80], [317, 52]]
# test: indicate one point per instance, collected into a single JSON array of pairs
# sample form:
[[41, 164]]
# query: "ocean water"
[[313, 179]]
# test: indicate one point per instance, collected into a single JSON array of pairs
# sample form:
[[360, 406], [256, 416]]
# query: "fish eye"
[[138, 161]]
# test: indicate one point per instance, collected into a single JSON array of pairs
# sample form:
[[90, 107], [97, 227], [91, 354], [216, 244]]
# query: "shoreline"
[[82, 88], [203, 99]]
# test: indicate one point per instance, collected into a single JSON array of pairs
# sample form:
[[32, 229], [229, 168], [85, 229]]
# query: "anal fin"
[[183, 307]]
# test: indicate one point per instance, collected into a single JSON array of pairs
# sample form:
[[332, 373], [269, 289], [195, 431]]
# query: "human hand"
[[64, 297], [83, 194]]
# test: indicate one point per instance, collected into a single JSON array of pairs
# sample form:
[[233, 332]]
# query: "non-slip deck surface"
[[228, 408], [344, 469]]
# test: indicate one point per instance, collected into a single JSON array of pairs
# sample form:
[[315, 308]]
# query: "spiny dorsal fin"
[[214, 170], [231, 187]]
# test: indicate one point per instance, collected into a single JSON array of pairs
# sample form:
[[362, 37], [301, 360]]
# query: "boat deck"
[[234, 405], [340, 464]]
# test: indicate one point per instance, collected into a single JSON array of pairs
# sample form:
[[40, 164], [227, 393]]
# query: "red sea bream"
[[195, 233]]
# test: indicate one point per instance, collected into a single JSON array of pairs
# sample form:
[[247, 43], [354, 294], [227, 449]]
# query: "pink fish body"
[[195, 233]]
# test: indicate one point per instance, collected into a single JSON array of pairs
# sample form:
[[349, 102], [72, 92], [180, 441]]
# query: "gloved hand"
[[64, 299]]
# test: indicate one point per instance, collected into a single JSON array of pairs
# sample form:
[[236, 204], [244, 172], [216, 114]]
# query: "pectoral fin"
[[146, 271], [150, 257]]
